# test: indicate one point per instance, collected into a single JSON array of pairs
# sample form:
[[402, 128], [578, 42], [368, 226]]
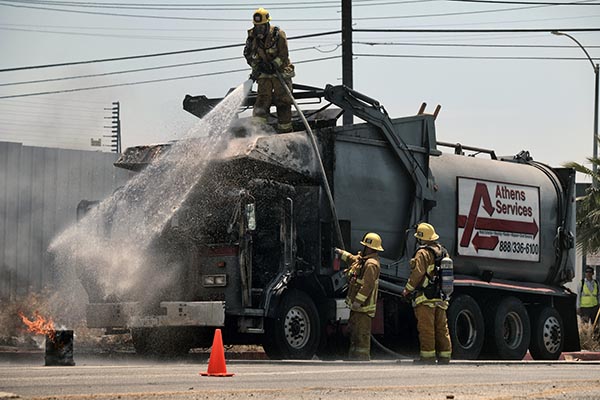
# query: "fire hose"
[[315, 147], [329, 195]]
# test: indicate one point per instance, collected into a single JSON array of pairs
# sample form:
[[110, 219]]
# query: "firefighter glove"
[[267, 68], [337, 251], [355, 306], [254, 75]]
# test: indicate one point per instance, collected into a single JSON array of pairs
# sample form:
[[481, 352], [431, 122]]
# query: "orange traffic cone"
[[216, 363]]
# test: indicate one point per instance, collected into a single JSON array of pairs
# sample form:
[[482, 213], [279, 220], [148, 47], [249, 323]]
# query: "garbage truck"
[[256, 235]]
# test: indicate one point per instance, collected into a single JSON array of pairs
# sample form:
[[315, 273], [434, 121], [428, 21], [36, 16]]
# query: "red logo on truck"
[[510, 201]]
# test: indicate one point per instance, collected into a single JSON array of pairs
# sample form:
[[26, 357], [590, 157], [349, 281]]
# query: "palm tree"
[[588, 210]]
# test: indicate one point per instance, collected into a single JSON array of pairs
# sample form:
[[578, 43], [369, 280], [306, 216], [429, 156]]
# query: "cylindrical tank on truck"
[[508, 223]]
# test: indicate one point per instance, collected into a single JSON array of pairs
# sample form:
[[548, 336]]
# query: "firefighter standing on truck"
[[363, 284], [429, 301], [266, 51]]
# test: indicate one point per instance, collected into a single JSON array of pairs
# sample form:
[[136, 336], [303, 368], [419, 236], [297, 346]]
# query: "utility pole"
[[595, 153], [115, 127], [347, 52]]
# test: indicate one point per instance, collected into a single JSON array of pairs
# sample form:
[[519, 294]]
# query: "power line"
[[472, 45], [33, 133], [168, 53], [50, 115], [153, 29], [446, 14], [148, 68], [54, 143], [53, 132], [123, 36], [172, 7], [151, 80], [8, 106], [11, 104], [528, 2], [36, 134], [471, 57], [120, 36], [220, 4], [76, 102], [374, 30], [214, 7], [518, 21], [120, 72], [4, 3], [57, 126], [299, 37]]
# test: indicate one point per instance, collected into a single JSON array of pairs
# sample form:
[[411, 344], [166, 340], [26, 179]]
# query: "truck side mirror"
[[251, 216]]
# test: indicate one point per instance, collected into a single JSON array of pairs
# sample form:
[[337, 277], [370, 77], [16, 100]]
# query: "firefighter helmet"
[[260, 16], [426, 232], [372, 241]]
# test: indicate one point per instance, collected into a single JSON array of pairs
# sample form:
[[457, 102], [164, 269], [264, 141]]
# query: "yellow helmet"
[[426, 232], [372, 241], [260, 16]]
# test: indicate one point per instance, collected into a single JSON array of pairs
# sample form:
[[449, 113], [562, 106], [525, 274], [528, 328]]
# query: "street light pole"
[[597, 89]]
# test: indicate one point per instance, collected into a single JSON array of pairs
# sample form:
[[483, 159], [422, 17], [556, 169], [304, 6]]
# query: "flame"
[[39, 326]]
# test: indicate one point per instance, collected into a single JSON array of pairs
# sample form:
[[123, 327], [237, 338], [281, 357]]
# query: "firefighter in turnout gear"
[[429, 302], [363, 284], [266, 51]]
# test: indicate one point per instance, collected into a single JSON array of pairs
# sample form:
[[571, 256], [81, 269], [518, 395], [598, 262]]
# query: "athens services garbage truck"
[[257, 233]]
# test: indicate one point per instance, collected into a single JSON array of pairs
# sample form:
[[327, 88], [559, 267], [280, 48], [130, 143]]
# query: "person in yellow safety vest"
[[363, 284], [588, 297], [266, 51], [428, 302]]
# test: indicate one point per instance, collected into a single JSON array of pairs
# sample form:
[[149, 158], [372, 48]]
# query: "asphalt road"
[[137, 378]]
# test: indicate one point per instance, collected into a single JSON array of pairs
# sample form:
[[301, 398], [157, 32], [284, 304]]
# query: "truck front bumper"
[[129, 315]]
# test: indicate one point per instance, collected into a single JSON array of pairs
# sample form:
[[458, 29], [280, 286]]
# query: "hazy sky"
[[544, 106]]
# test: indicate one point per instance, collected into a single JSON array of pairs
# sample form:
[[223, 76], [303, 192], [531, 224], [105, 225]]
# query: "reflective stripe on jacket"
[[589, 298], [363, 281]]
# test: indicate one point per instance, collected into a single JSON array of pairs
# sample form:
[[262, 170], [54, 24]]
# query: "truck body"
[[255, 239]]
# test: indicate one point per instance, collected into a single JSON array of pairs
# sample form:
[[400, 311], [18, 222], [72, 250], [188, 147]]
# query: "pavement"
[[14, 355], [574, 356]]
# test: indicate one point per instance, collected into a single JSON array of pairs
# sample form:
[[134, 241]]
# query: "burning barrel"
[[59, 348], [59, 343]]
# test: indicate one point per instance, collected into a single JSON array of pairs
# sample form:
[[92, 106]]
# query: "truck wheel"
[[465, 322], [295, 331], [547, 334], [508, 329], [162, 341]]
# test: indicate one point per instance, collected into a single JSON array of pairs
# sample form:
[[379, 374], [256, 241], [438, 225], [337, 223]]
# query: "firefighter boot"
[[425, 361]]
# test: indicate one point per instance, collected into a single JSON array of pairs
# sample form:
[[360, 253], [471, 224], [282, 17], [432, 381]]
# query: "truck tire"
[[162, 341], [295, 331], [467, 328], [508, 329], [547, 334]]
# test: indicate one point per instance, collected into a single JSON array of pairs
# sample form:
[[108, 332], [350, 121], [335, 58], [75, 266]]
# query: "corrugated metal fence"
[[39, 192]]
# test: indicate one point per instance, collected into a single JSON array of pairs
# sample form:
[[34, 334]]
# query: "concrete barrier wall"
[[39, 192]]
